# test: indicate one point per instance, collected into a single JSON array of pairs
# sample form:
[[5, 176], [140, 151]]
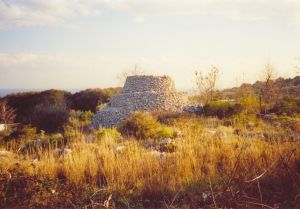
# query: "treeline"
[[49, 110], [277, 96], [280, 86], [280, 96]]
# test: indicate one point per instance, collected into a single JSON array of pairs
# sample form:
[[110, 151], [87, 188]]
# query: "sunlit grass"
[[125, 166]]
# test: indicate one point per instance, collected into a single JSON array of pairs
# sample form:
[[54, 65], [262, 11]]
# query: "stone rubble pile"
[[141, 93]]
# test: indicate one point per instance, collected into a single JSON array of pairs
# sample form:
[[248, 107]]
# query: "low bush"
[[92, 98], [222, 109], [50, 117], [108, 132], [72, 134], [25, 103], [56, 139], [287, 105], [164, 131], [24, 133], [141, 125]]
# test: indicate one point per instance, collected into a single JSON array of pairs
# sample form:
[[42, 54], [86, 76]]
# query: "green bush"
[[287, 105], [25, 103], [141, 125], [89, 99], [77, 122], [108, 132], [23, 134], [50, 117], [72, 134], [79, 119], [164, 131], [57, 139], [222, 109]]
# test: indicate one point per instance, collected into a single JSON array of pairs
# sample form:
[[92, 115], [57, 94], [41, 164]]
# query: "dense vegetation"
[[207, 163], [241, 151], [283, 95], [49, 110], [92, 98]]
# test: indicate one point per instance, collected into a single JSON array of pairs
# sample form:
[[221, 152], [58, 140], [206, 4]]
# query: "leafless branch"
[[207, 85], [212, 194], [136, 70], [7, 113], [257, 204]]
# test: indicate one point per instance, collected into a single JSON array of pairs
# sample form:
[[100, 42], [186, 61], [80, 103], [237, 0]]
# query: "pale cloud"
[[34, 70], [25, 60], [139, 19], [8, 60], [237, 9], [44, 12]]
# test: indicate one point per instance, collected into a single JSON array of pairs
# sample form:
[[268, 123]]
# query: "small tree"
[[50, 117], [246, 96], [136, 70], [270, 90], [207, 85], [7, 113]]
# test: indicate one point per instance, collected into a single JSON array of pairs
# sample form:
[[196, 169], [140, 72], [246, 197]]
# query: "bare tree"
[[207, 84], [270, 90], [7, 113], [136, 70]]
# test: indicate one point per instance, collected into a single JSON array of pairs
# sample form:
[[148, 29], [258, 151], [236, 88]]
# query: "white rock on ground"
[[58, 152], [161, 155], [209, 131], [119, 148], [166, 141]]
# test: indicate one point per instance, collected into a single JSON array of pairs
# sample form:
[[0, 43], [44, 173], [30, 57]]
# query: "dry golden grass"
[[196, 158], [135, 170]]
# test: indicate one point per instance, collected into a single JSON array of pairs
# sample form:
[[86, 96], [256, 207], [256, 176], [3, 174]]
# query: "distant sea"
[[4, 92]]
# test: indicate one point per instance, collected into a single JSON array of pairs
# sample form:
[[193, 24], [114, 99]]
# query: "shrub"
[[72, 134], [250, 104], [77, 122], [287, 105], [141, 125], [27, 132], [50, 117], [165, 117], [23, 134], [56, 139], [92, 98], [108, 132], [222, 109], [79, 119], [25, 103], [164, 131]]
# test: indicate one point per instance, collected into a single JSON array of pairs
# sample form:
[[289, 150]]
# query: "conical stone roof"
[[141, 93]]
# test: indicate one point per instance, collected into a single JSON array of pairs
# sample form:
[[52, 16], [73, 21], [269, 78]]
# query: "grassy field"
[[205, 164]]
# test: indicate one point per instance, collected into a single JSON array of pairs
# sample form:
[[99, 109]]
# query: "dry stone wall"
[[148, 83], [141, 93]]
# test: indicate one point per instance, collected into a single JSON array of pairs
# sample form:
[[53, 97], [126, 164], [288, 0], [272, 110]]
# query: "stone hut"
[[141, 93]]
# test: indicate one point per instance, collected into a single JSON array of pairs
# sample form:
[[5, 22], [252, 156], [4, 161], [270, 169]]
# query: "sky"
[[80, 44]]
